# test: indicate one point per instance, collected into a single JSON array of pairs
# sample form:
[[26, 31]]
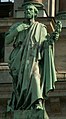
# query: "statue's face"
[[30, 11]]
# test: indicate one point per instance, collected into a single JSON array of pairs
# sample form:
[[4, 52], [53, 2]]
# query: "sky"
[[6, 0]]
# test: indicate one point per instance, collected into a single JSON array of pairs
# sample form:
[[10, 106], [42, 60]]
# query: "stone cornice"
[[7, 22]]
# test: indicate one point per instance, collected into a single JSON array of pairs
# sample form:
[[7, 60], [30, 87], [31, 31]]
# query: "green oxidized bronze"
[[31, 62]]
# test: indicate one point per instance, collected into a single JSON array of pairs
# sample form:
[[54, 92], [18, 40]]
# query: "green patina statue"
[[31, 62]]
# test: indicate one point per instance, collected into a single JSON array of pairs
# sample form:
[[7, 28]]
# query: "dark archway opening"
[[2, 46]]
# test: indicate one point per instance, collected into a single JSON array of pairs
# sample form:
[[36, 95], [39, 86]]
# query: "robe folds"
[[31, 64]]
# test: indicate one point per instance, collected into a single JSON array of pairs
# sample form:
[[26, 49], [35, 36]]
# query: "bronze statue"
[[31, 62]]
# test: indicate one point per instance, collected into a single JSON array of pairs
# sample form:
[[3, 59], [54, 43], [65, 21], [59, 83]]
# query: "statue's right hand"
[[20, 28]]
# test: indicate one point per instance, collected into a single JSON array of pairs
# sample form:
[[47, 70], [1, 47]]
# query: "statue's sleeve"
[[11, 34], [43, 33]]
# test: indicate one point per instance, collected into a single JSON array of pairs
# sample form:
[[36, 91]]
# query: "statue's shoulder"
[[15, 25], [41, 24]]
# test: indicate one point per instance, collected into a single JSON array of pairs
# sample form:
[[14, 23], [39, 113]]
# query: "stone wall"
[[56, 102]]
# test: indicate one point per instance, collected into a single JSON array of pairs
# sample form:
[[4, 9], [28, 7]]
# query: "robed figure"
[[31, 61]]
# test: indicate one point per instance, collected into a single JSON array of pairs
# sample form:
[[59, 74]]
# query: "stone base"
[[30, 114], [6, 115], [26, 114]]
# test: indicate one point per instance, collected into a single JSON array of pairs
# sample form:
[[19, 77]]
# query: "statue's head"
[[30, 11], [31, 8]]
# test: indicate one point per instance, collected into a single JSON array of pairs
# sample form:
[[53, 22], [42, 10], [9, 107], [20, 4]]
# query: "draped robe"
[[31, 64]]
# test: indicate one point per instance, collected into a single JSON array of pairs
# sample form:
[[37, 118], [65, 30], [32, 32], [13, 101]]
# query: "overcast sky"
[[6, 0]]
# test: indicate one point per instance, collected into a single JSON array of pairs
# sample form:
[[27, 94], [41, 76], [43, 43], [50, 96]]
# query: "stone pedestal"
[[30, 114]]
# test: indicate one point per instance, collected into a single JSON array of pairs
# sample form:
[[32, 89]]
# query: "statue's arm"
[[55, 35], [9, 36], [12, 33]]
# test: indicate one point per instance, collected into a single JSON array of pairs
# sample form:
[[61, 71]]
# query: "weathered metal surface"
[[31, 114]]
